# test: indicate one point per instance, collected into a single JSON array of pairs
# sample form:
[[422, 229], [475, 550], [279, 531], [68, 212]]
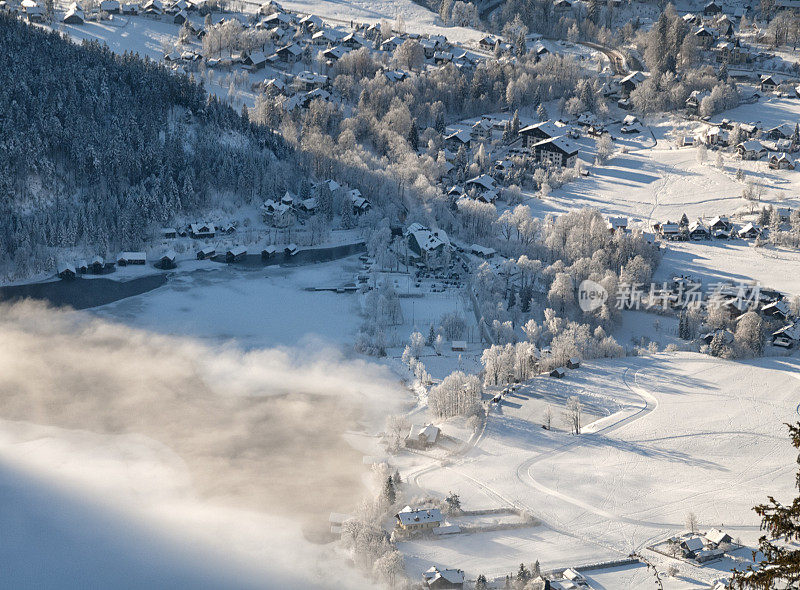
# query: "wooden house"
[[66, 272], [167, 261], [206, 253], [235, 254]]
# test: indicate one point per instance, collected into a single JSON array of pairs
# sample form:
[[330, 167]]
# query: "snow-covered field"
[[736, 261], [692, 434]]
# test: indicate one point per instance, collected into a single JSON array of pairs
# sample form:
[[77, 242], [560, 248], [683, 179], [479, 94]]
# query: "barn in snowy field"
[[421, 437]]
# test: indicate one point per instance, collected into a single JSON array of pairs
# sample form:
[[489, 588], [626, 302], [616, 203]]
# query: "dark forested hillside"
[[94, 147]]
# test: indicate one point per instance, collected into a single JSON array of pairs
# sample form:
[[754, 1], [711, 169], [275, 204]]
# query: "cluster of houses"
[[718, 228], [736, 300], [702, 548], [99, 265], [290, 208], [776, 143]]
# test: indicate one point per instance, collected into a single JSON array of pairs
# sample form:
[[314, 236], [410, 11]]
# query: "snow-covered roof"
[[461, 135], [716, 536], [791, 331], [547, 127], [693, 543], [419, 515], [451, 576], [484, 180], [562, 143], [237, 251], [617, 222], [63, 267], [752, 145], [200, 228], [169, 254]]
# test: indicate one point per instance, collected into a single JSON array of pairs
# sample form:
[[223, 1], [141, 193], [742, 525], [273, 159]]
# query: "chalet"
[[395, 75], [167, 261], [256, 60], [437, 579], [782, 131], [574, 363], [33, 12], [360, 204], [671, 231], [616, 224], [235, 254], [750, 150], [558, 373], [99, 266], [391, 44], [82, 267], [556, 152], [74, 15], [353, 41], [268, 252], [458, 139], [698, 231], [131, 258], [487, 43], [776, 309], [418, 519], [324, 37], [152, 8], [768, 84], [202, 231], [428, 48], [537, 132], [290, 54], [481, 184], [66, 272], [712, 9], [749, 129], [290, 250], [784, 213], [781, 161], [727, 336], [729, 52], [307, 81], [277, 214], [692, 103], [705, 37], [691, 546], [458, 346], [308, 206], [425, 244], [278, 19], [482, 130], [130, 9], [442, 57], [180, 18], [631, 82], [482, 251], [206, 253], [310, 22], [788, 336], [334, 54], [110, 6], [749, 231], [718, 223], [421, 437]]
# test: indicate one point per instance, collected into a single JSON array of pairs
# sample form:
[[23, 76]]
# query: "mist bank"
[[233, 451]]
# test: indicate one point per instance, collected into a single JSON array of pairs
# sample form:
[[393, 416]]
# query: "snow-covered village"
[[400, 294]]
